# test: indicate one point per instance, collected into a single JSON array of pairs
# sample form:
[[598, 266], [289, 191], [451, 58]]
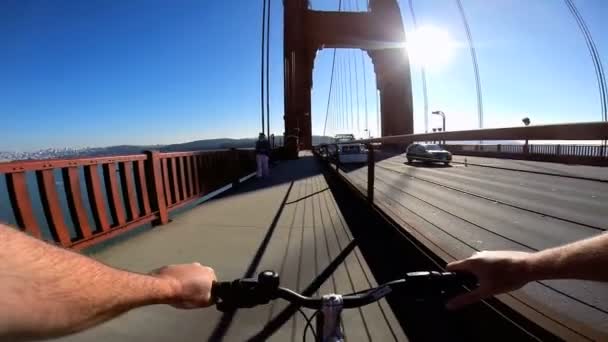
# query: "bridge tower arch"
[[379, 32]]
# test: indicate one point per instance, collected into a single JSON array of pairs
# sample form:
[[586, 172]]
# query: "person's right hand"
[[496, 271], [192, 283]]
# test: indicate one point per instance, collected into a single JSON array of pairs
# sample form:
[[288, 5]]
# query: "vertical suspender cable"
[[474, 59], [364, 90], [331, 84], [342, 106], [344, 95], [378, 112], [268, 70], [357, 80], [262, 63], [356, 90], [331, 80], [350, 90], [423, 75], [337, 98], [597, 62], [364, 77]]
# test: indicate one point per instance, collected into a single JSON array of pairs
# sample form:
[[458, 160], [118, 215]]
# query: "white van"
[[352, 153]]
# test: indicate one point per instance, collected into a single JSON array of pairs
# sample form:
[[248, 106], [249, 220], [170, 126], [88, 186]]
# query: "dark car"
[[428, 153]]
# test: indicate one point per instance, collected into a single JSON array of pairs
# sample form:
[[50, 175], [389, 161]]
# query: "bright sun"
[[430, 46]]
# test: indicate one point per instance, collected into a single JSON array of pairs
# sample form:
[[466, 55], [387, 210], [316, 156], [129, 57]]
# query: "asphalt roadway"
[[489, 205]]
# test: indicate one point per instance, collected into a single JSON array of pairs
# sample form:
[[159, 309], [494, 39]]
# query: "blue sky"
[[97, 73]]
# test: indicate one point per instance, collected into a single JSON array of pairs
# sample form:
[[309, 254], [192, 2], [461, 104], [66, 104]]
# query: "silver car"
[[428, 153]]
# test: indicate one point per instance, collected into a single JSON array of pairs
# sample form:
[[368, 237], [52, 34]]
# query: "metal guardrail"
[[122, 192]]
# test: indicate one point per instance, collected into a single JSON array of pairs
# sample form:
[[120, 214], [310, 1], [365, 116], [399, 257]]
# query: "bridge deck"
[[289, 223], [458, 210]]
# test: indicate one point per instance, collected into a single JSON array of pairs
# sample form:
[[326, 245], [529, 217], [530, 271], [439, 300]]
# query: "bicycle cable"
[[309, 325]]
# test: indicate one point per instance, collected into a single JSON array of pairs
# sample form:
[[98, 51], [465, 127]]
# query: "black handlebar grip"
[[218, 290], [467, 279]]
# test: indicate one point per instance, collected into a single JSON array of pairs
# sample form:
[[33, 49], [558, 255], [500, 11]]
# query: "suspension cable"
[[350, 89], [364, 90], [338, 93], [422, 73], [337, 102], [364, 77], [474, 59], [357, 90], [378, 112], [595, 57], [331, 84], [331, 80], [262, 63], [268, 70], [342, 92], [354, 55]]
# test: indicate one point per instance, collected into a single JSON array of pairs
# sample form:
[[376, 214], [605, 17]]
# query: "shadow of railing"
[[226, 320]]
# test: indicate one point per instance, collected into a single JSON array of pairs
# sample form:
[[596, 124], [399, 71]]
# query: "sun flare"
[[430, 47]]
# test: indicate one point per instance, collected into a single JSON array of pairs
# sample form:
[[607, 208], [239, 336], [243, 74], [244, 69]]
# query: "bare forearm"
[[47, 291], [505, 271], [585, 259]]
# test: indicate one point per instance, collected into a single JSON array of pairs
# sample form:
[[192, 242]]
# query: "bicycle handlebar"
[[250, 292]]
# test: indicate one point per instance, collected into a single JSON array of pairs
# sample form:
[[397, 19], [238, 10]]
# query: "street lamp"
[[442, 114], [526, 122], [368, 133]]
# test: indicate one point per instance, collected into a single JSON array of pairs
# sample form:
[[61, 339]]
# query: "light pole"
[[442, 114], [369, 134], [526, 122]]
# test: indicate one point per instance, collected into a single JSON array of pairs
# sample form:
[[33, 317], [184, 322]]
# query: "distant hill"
[[198, 145], [225, 143]]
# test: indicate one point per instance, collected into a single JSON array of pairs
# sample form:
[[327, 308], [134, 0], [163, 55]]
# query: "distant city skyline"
[[102, 73]]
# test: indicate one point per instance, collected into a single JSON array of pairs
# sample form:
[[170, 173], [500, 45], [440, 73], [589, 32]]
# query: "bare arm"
[[46, 291], [504, 271]]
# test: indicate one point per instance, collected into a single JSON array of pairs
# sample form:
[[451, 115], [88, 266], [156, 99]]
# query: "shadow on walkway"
[[284, 172], [287, 172]]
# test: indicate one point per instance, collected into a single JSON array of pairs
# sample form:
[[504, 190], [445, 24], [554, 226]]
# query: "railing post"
[[499, 148], [155, 177], [337, 161], [236, 167], [371, 166], [558, 150]]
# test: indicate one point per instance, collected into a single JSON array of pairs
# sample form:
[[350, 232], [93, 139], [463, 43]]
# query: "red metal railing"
[[107, 196]]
